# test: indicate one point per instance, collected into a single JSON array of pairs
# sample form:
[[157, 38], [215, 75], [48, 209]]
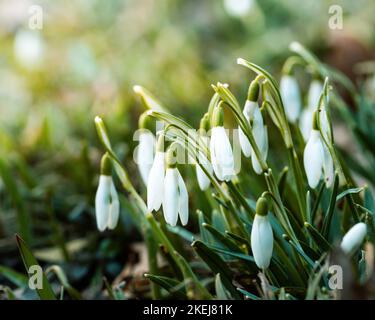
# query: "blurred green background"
[[85, 61]]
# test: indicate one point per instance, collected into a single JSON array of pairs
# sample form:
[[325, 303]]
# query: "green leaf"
[[332, 203], [221, 293], [348, 192], [216, 264], [248, 294], [225, 240], [171, 285], [148, 98], [15, 277], [46, 293], [319, 239]]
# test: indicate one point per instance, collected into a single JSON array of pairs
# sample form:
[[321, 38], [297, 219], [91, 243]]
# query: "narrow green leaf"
[[332, 203], [348, 192], [15, 277], [221, 293], [319, 239], [171, 285], [46, 293]]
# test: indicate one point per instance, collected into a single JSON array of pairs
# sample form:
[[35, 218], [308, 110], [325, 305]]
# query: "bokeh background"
[[85, 61]]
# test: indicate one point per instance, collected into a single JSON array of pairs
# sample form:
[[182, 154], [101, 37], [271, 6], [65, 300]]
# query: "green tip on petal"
[[218, 116], [171, 158], [106, 165], [262, 206], [253, 92], [205, 123], [160, 143]]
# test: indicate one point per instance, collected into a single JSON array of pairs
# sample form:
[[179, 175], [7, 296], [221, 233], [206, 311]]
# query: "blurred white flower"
[[107, 205], [238, 8], [29, 48], [306, 118], [262, 235], [354, 238], [291, 97]]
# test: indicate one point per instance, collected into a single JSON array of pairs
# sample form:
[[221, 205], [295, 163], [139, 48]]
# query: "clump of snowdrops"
[[280, 242]]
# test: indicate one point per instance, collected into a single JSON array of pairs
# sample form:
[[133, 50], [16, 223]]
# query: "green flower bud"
[[106, 165], [261, 207], [253, 92], [218, 116], [171, 159]]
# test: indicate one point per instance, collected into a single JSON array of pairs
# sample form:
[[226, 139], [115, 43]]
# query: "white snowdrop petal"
[[215, 165], [114, 211], [262, 241], [203, 180], [313, 96], [224, 154], [102, 202], [354, 238], [305, 122], [171, 196], [145, 154], [291, 97], [155, 183], [183, 201], [313, 159], [244, 143]]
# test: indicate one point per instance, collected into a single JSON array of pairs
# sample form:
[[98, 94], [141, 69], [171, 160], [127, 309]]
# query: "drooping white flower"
[[306, 118], [305, 122], [313, 158], [156, 178], [291, 97], [261, 139], [145, 151], [175, 198], [29, 48], [203, 180], [253, 115], [238, 8], [354, 238], [107, 205], [220, 148], [313, 96], [262, 235], [317, 160]]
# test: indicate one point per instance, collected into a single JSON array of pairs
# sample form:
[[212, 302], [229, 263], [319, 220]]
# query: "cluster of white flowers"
[[166, 188]]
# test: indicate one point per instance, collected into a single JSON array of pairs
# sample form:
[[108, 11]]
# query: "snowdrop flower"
[[107, 205], [317, 159], [253, 115], [251, 105], [29, 48], [175, 198], [203, 180], [291, 97], [220, 148], [306, 119], [261, 235], [155, 180], [238, 8], [354, 238], [145, 151]]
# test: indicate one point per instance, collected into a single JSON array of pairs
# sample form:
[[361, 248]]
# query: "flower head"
[[291, 97], [262, 235], [354, 238], [145, 151], [175, 197], [107, 205], [220, 148], [155, 180]]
